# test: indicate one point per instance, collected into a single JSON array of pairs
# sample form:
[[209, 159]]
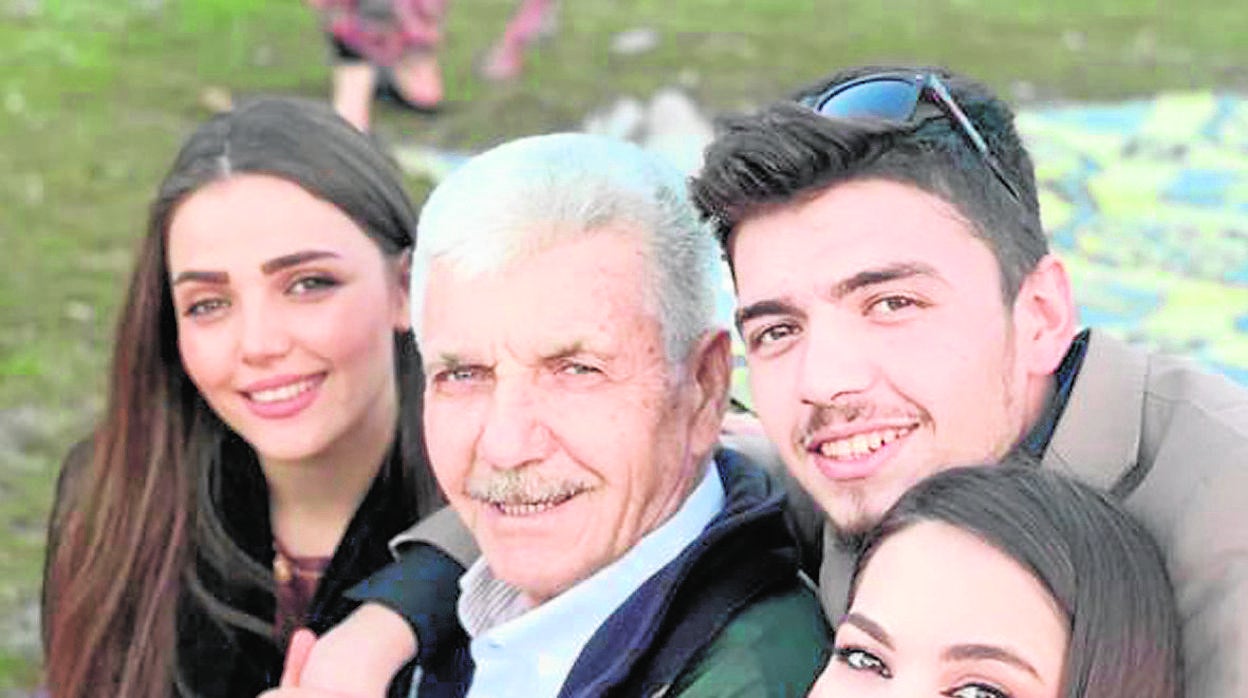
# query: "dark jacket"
[[219, 662], [729, 616]]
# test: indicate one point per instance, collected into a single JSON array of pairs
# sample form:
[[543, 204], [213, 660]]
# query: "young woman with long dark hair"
[[1007, 582], [261, 440]]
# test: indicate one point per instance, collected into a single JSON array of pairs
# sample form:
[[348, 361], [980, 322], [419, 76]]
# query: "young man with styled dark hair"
[[902, 315]]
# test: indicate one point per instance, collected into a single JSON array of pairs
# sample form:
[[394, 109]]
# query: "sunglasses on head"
[[895, 97]]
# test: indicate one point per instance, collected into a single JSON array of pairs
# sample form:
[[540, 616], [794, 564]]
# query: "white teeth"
[[860, 445], [531, 508], [285, 392], [525, 509]]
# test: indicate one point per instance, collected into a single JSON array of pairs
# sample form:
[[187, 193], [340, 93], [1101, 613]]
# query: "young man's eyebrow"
[[869, 627], [840, 289], [295, 258], [992, 652], [763, 308], [880, 275]]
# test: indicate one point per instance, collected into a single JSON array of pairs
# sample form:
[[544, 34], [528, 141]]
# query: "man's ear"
[[710, 366], [1045, 316], [403, 277]]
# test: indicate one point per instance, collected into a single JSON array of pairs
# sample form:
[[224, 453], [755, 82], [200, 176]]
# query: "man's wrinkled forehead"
[[573, 294]]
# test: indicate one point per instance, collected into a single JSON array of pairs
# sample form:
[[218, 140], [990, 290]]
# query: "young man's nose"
[[834, 363]]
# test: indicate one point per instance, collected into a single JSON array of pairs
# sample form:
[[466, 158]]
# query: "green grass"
[[95, 96]]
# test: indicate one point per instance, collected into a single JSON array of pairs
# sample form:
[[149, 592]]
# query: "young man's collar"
[[1037, 440]]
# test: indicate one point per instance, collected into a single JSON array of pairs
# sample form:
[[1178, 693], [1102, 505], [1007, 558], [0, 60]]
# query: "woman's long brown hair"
[[134, 513], [1100, 566]]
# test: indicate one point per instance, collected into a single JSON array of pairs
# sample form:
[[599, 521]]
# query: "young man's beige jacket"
[[1171, 441]]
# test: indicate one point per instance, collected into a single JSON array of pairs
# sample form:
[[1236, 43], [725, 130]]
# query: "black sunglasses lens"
[[893, 100]]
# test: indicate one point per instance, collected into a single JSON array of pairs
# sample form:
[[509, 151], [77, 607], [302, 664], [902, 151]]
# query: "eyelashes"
[[308, 285]]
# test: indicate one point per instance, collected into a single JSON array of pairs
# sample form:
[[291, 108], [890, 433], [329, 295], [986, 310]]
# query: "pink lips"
[[267, 399]]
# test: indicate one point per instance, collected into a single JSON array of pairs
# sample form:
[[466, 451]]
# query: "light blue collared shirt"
[[528, 652]]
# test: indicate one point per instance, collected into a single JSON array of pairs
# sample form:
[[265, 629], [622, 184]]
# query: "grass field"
[[96, 94]]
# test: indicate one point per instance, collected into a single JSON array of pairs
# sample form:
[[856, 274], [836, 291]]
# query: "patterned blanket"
[[1147, 201]]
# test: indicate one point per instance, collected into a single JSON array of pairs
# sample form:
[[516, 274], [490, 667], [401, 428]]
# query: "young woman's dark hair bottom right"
[[1101, 567]]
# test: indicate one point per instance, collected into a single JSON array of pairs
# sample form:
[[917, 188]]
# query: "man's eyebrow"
[[763, 308], [295, 258], [447, 359], [208, 277], [840, 289], [564, 350], [880, 275], [869, 627], [991, 652]]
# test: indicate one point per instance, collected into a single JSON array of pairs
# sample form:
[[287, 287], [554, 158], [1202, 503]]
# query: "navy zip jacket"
[[666, 631]]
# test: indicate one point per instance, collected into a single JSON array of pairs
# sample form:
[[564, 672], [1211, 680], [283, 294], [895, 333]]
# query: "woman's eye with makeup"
[[311, 283], [859, 659], [977, 690], [204, 307]]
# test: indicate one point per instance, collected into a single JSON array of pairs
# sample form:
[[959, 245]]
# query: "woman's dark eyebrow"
[[295, 258], [870, 627], [273, 265], [207, 277], [991, 652]]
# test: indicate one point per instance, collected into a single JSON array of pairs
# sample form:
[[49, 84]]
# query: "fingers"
[[301, 644]]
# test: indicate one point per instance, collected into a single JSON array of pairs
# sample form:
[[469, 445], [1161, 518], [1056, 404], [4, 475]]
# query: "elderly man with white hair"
[[562, 300]]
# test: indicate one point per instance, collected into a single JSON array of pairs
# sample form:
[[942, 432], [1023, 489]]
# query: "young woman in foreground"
[[261, 440], [1007, 582]]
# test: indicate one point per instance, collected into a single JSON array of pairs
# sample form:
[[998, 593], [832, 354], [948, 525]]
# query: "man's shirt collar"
[[1037, 440], [519, 649]]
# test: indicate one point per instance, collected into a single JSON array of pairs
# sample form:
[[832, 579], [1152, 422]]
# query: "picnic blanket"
[[1147, 201]]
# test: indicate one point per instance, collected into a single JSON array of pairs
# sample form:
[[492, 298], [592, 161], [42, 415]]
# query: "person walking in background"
[[532, 20], [386, 49], [389, 49]]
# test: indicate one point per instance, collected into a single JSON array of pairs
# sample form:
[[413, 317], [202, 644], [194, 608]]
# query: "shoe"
[[386, 91]]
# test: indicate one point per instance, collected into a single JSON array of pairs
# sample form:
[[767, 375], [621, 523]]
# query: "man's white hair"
[[531, 194]]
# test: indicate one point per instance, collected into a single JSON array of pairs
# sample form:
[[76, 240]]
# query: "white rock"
[[677, 129], [624, 120], [634, 41]]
